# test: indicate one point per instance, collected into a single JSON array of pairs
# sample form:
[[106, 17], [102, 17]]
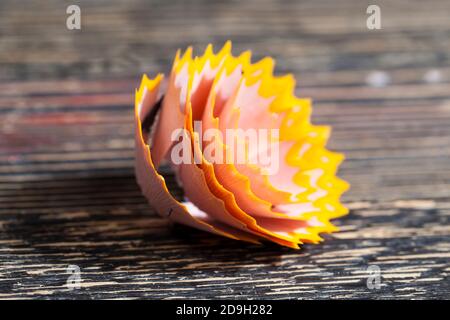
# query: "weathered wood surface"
[[67, 190]]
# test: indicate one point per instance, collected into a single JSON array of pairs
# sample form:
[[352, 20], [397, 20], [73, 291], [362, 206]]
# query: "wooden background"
[[67, 191]]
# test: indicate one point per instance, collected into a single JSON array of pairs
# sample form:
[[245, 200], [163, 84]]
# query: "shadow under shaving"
[[103, 220]]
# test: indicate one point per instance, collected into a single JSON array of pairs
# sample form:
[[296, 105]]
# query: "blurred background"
[[383, 89], [67, 190]]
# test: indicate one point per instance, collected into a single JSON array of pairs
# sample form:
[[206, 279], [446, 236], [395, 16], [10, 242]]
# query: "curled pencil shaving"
[[239, 200]]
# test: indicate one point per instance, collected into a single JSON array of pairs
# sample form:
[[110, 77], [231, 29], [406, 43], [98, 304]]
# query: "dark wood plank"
[[67, 191]]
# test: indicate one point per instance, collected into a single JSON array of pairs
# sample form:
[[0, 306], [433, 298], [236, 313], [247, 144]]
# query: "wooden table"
[[67, 190]]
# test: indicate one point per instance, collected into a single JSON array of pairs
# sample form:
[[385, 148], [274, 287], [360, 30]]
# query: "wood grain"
[[67, 191]]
